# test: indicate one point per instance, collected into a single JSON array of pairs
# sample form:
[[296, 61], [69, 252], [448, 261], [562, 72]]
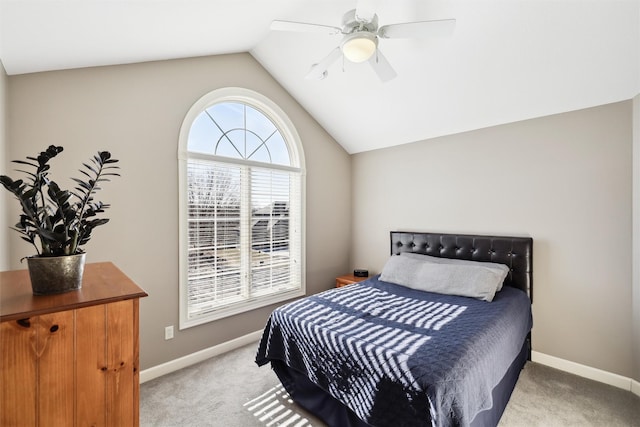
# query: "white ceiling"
[[508, 60]]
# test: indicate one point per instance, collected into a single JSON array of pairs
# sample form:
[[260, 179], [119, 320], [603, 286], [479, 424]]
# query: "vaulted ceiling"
[[506, 61]]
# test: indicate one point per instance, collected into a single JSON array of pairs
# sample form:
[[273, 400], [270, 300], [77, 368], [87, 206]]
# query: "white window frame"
[[294, 145]]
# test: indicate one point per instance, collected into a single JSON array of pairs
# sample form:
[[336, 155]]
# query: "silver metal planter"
[[55, 275]]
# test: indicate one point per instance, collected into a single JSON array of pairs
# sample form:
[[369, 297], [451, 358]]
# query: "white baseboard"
[[199, 356], [544, 359], [635, 387], [587, 372]]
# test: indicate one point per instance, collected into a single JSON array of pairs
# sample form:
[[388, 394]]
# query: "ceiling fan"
[[360, 36]]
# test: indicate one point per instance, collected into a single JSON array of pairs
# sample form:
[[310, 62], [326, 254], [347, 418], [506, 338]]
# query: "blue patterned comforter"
[[397, 356]]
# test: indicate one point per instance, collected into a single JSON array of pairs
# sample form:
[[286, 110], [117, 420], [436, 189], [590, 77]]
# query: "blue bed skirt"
[[335, 414]]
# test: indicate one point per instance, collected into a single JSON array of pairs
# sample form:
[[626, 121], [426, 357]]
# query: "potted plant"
[[58, 222]]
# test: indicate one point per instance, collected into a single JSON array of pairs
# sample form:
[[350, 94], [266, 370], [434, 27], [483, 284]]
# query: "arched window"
[[241, 171]]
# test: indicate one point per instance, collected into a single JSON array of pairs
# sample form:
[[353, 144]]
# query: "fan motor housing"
[[351, 24]]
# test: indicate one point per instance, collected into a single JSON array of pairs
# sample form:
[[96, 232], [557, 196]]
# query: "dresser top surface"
[[102, 283]]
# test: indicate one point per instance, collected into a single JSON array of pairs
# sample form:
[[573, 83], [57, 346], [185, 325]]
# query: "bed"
[[378, 353]]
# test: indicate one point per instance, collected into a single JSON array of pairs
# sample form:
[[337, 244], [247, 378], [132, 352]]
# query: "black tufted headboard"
[[515, 252]]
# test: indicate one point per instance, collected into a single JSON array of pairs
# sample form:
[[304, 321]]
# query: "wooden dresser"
[[70, 359]]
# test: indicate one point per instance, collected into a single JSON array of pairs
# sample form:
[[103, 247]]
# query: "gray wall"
[[5, 195], [135, 111], [636, 230], [636, 238], [565, 180]]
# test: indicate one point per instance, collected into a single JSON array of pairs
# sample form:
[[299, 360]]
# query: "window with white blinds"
[[241, 209]]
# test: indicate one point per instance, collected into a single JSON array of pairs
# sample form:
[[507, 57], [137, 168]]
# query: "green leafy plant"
[[60, 220]]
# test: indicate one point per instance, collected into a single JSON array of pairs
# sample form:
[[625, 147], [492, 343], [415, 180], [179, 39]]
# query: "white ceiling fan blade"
[[303, 27], [420, 29], [318, 70], [382, 67], [366, 10]]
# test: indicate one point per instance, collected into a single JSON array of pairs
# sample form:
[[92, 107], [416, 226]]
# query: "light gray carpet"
[[230, 390]]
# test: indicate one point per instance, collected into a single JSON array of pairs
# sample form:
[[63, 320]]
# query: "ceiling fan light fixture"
[[359, 46]]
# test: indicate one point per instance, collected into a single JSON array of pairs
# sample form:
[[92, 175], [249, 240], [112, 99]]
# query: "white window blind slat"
[[214, 218]]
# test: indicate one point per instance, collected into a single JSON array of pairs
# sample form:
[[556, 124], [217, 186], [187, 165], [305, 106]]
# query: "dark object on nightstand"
[[361, 273]]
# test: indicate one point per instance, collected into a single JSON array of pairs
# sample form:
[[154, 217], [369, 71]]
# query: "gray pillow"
[[501, 268], [475, 281]]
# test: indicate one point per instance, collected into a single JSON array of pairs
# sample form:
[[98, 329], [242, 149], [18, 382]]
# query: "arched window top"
[[240, 124], [237, 130]]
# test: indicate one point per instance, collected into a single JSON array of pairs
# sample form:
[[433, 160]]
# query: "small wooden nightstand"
[[348, 279]]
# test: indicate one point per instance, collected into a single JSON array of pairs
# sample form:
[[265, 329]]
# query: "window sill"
[[239, 307]]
